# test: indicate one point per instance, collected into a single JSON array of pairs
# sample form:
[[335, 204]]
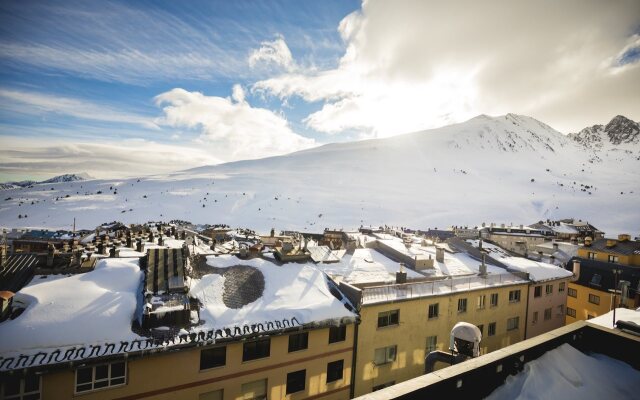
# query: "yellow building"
[[402, 323], [616, 251]]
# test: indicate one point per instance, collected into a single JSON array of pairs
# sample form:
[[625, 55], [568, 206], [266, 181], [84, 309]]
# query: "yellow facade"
[[414, 327], [177, 374], [582, 300], [604, 256]]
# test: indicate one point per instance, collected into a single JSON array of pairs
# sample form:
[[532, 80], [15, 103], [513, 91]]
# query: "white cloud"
[[126, 158], [39, 103], [412, 65], [230, 127], [275, 53]]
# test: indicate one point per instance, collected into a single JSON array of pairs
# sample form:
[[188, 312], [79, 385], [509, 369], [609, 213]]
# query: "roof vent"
[[611, 242], [624, 237]]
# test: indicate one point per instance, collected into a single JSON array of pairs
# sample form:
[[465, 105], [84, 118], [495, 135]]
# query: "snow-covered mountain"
[[620, 132], [56, 179], [510, 168]]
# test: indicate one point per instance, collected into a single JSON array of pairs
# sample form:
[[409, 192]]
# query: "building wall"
[[177, 375], [509, 242], [585, 309], [557, 301], [410, 335]]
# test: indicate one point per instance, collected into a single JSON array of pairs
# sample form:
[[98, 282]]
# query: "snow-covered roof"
[[622, 314], [365, 266], [566, 373], [299, 291]]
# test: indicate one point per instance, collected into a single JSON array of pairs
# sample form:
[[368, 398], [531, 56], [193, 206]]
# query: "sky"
[[117, 89]]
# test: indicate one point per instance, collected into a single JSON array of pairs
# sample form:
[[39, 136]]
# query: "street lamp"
[[616, 273]]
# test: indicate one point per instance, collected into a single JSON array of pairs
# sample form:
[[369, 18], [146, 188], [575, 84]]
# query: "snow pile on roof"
[[297, 291], [61, 311], [566, 373], [366, 266], [538, 271], [622, 314], [564, 229]]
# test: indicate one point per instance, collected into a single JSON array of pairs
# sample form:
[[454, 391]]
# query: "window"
[[100, 376], [481, 301], [613, 259], [494, 299], [492, 329], [256, 390], [462, 305], [514, 296], [594, 299], [388, 318], [512, 323], [549, 289], [481, 327], [572, 292], [337, 334], [384, 385], [432, 343], [211, 358], [561, 309], [535, 317], [547, 314], [591, 256], [571, 312], [214, 395], [385, 355], [21, 388], [537, 291], [595, 279], [257, 349], [298, 341], [433, 310], [589, 316], [561, 286], [296, 381], [334, 371]]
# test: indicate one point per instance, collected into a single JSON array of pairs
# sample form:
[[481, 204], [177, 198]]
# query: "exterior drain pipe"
[[439, 355]]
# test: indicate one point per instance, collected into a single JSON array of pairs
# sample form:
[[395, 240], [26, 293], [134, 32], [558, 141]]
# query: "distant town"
[[177, 310]]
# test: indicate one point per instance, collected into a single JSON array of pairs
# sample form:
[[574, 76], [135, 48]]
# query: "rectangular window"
[[481, 301], [589, 316], [260, 348], [462, 305], [571, 292], [432, 343], [481, 327], [337, 334], [388, 318], [296, 381], [514, 296], [512, 323], [561, 286], [571, 312], [547, 314], [492, 329], [298, 341], [334, 371], [434, 310], [591, 256], [256, 390], [494, 300], [100, 376], [20, 388], [613, 259], [535, 317], [561, 309], [215, 357], [596, 279], [537, 291], [385, 355], [594, 299], [214, 395], [549, 289], [384, 385]]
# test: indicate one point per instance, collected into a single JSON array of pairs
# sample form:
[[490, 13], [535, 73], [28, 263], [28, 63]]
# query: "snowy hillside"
[[620, 132], [504, 169], [56, 179]]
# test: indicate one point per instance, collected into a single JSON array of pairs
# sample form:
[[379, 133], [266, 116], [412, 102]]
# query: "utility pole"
[[616, 273]]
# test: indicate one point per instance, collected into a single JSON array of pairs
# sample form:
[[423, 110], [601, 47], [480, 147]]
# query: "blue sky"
[[83, 84]]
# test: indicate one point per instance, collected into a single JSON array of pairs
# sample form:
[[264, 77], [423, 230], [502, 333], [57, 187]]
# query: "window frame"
[[572, 292], [561, 286], [548, 312], [390, 355], [571, 312], [594, 299], [337, 334], [93, 380], [496, 297], [537, 291], [431, 346], [389, 318], [492, 328], [514, 296], [256, 342], [296, 389], [548, 289], [22, 387], [330, 374], [298, 342], [613, 259], [510, 323], [482, 302], [436, 307], [212, 349], [462, 305]]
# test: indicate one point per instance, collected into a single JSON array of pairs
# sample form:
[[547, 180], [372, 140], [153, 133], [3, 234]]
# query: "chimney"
[[555, 246], [439, 254], [587, 241], [401, 276], [624, 237], [139, 246], [160, 241], [483, 268], [112, 252], [611, 243], [51, 253], [576, 270]]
